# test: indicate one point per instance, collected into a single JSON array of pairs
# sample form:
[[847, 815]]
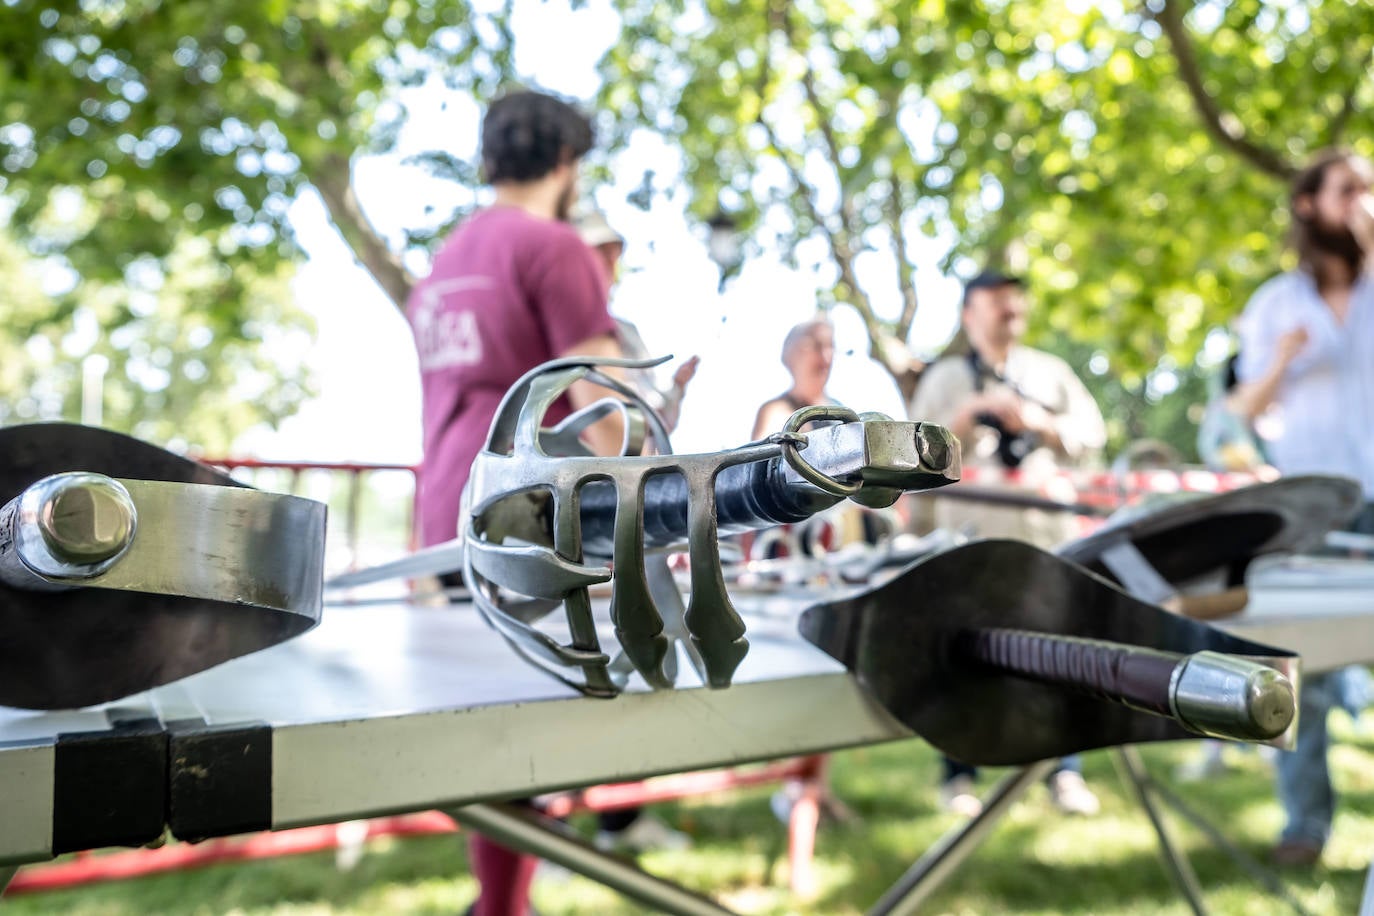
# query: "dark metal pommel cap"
[[870, 458], [1231, 697]]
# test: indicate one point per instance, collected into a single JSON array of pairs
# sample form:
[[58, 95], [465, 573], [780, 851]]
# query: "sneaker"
[[1296, 852], [350, 839], [1071, 795], [957, 796], [784, 800], [646, 833]]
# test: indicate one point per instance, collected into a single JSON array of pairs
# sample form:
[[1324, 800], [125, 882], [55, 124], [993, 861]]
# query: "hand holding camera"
[[1016, 421]]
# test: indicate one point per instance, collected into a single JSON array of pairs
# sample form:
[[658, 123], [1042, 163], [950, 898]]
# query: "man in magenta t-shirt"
[[512, 288]]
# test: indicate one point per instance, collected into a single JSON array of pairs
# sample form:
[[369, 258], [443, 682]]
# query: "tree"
[[1134, 160], [149, 152]]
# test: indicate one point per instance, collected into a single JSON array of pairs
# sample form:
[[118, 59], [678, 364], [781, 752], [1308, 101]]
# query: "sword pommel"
[[1228, 696]]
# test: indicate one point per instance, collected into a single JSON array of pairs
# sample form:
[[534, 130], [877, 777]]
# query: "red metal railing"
[[356, 472]]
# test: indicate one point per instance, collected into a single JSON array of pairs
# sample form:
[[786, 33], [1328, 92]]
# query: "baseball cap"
[[992, 278]]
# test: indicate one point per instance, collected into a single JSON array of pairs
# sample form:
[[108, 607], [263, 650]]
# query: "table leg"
[[1247, 862], [530, 832], [940, 861], [1175, 863]]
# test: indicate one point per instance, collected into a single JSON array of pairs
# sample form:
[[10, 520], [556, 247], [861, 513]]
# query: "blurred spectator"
[[808, 352], [1013, 409], [1226, 436], [1020, 414], [1307, 357], [609, 246]]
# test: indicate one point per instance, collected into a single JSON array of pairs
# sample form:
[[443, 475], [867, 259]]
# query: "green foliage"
[[1134, 159], [148, 155], [1137, 178]]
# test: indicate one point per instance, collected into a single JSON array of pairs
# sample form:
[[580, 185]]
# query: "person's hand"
[[1006, 407], [1036, 418], [685, 373], [1362, 223], [1291, 343]]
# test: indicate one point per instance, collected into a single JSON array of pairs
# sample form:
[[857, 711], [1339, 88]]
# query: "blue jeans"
[[1304, 782]]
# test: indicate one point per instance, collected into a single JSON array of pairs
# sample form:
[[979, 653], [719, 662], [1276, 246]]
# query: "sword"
[[542, 518], [971, 650], [124, 567], [755, 487]]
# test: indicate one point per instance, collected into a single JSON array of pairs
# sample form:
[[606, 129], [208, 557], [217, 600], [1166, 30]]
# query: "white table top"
[[389, 708]]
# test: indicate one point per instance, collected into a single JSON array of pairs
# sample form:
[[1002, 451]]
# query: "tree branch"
[[332, 176], [333, 179], [1223, 125], [841, 241], [840, 251], [827, 131], [1336, 129], [904, 266]]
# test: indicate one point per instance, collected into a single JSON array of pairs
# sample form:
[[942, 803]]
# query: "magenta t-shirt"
[[508, 291]]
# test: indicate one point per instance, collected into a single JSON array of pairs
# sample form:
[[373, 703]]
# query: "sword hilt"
[[1210, 693], [870, 459]]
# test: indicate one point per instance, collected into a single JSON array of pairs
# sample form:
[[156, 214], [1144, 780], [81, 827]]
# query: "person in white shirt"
[[1307, 363]]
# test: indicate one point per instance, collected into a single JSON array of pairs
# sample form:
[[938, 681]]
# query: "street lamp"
[[723, 246]]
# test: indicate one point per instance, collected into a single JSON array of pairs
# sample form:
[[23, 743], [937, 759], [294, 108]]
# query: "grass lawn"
[[1036, 862]]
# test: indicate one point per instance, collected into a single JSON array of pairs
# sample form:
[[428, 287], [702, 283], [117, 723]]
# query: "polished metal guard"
[[526, 552], [515, 480], [213, 571]]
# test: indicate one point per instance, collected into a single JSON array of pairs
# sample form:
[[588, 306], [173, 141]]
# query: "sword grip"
[[1210, 693], [748, 497]]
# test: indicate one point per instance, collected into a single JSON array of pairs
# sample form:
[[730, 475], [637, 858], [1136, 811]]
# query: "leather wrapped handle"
[[1206, 692]]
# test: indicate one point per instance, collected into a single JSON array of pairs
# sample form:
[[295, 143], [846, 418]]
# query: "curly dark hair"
[[526, 135]]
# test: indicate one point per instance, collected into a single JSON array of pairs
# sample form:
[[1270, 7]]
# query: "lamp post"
[[93, 369], [723, 246]]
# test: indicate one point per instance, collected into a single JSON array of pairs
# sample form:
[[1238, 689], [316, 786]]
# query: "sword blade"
[[430, 561]]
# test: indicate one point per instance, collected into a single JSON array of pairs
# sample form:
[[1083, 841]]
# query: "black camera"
[[1012, 448]]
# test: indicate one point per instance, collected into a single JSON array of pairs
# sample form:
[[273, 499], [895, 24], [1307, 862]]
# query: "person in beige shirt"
[[1021, 415]]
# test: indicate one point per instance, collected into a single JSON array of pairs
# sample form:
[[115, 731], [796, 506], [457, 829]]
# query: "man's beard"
[[563, 207], [1337, 241]]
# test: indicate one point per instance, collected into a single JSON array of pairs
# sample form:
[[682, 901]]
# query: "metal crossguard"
[[544, 514]]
